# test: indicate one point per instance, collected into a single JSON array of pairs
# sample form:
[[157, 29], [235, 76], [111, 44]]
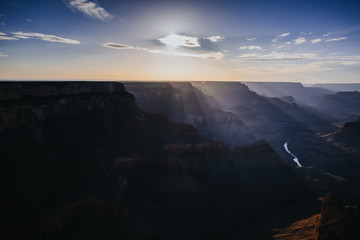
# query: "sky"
[[258, 40]]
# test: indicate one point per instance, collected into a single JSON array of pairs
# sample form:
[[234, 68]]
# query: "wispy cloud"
[[251, 39], [175, 40], [351, 63], [3, 55], [335, 39], [3, 36], [293, 56], [7, 38], [288, 68], [249, 55], [300, 40], [305, 33], [274, 56], [44, 37], [252, 47], [90, 9], [327, 34], [215, 38], [280, 36], [117, 46], [205, 55], [354, 57], [316, 40]]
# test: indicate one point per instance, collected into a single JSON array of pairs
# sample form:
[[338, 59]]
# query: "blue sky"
[[296, 41]]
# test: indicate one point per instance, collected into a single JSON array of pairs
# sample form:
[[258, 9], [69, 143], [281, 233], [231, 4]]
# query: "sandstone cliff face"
[[93, 165]]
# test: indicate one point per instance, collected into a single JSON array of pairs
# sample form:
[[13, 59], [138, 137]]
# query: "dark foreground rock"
[[81, 161]]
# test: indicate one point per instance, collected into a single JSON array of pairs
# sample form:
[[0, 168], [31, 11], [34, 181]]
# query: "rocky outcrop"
[[334, 222], [304, 229], [337, 222], [348, 136]]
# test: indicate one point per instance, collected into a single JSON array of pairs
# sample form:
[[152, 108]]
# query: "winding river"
[[296, 160]]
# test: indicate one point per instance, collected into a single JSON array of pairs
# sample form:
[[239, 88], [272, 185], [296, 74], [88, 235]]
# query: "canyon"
[[173, 160]]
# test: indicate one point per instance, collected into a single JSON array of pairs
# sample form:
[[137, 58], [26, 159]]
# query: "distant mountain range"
[[332, 102], [339, 87]]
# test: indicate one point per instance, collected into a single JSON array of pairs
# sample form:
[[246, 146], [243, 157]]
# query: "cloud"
[[252, 47], [215, 38], [316, 40], [206, 55], [90, 9], [327, 34], [175, 40], [22, 37], [354, 57], [117, 46], [3, 55], [300, 40], [284, 35], [3, 36], [350, 63], [7, 38], [248, 55], [288, 68], [280, 36], [274, 56], [335, 39], [251, 39], [44, 37]]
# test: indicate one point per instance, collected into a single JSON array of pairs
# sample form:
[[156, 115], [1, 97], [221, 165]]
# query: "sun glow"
[[175, 40]]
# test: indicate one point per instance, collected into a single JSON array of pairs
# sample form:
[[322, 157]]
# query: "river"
[[296, 160]]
